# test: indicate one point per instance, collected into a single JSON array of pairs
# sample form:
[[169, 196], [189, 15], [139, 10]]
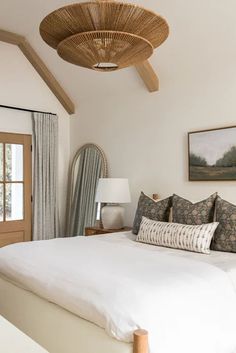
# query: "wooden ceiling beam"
[[10, 38], [40, 67], [47, 76], [148, 75]]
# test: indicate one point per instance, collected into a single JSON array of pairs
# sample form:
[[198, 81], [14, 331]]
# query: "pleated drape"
[[84, 208], [45, 173]]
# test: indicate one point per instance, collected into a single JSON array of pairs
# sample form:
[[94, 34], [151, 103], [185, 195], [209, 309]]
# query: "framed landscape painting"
[[212, 154]]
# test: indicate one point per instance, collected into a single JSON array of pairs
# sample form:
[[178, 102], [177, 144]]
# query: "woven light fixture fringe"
[[90, 48], [104, 35]]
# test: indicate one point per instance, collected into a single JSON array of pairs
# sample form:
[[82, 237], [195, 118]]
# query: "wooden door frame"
[[24, 225]]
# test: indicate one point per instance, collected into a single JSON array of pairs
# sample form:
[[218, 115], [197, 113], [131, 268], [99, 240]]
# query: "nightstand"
[[98, 230]]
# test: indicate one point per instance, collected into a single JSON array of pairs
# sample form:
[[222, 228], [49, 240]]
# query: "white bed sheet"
[[121, 285], [223, 260]]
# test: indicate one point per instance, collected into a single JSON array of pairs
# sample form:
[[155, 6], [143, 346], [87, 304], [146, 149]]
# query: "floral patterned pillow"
[[186, 212], [155, 210], [225, 236]]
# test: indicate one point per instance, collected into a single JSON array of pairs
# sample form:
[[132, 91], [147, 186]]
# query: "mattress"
[[223, 260], [121, 285]]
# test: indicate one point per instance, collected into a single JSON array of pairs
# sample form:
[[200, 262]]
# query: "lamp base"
[[113, 216]]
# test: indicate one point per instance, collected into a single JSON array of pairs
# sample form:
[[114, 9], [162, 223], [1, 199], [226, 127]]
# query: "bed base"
[[58, 330]]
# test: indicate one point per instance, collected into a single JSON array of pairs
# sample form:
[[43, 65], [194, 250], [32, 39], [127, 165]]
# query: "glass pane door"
[[1, 162], [1, 182], [15, 188], [14, 162], [14, 201], [11, 182], [1, 202]]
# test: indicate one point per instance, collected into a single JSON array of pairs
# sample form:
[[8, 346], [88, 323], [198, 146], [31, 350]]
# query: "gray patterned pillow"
[[225, 236], [186, 212], [155, 210]]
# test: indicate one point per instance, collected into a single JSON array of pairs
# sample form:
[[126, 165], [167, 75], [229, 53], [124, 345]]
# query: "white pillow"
[[195, 238]]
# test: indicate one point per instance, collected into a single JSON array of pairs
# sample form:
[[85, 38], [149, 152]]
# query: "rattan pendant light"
[[104, 35]]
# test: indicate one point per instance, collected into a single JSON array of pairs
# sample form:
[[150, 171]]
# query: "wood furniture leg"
[[140, 341]]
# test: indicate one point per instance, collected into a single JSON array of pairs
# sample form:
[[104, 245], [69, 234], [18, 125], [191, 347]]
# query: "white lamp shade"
[[113, 190]]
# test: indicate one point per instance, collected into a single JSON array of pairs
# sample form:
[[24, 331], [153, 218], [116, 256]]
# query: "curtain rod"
[[24, 110]]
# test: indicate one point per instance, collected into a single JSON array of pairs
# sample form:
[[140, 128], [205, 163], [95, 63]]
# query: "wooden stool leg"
[[140, 341]]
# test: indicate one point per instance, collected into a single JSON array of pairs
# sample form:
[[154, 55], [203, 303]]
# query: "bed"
[[91, 294]]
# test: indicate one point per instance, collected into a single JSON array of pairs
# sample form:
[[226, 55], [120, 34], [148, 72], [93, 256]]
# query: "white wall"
[[145, 135], [21, 86]]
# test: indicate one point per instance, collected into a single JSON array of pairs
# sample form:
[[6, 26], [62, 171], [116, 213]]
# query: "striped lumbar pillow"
[[179, 236]]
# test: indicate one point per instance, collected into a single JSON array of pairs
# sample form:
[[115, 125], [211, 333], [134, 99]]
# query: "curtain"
[[84, 208], [45, 171]]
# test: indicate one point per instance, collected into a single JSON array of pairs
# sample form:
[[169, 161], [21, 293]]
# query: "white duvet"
[[187, 305]]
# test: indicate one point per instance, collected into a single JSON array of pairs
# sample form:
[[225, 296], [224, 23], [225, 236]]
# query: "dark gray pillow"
[[186, 212], [155, 210], [225, 235]]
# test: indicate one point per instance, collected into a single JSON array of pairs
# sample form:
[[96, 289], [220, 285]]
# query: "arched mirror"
[[89, 164]]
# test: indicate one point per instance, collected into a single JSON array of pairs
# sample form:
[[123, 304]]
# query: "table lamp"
[[113, 191]]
